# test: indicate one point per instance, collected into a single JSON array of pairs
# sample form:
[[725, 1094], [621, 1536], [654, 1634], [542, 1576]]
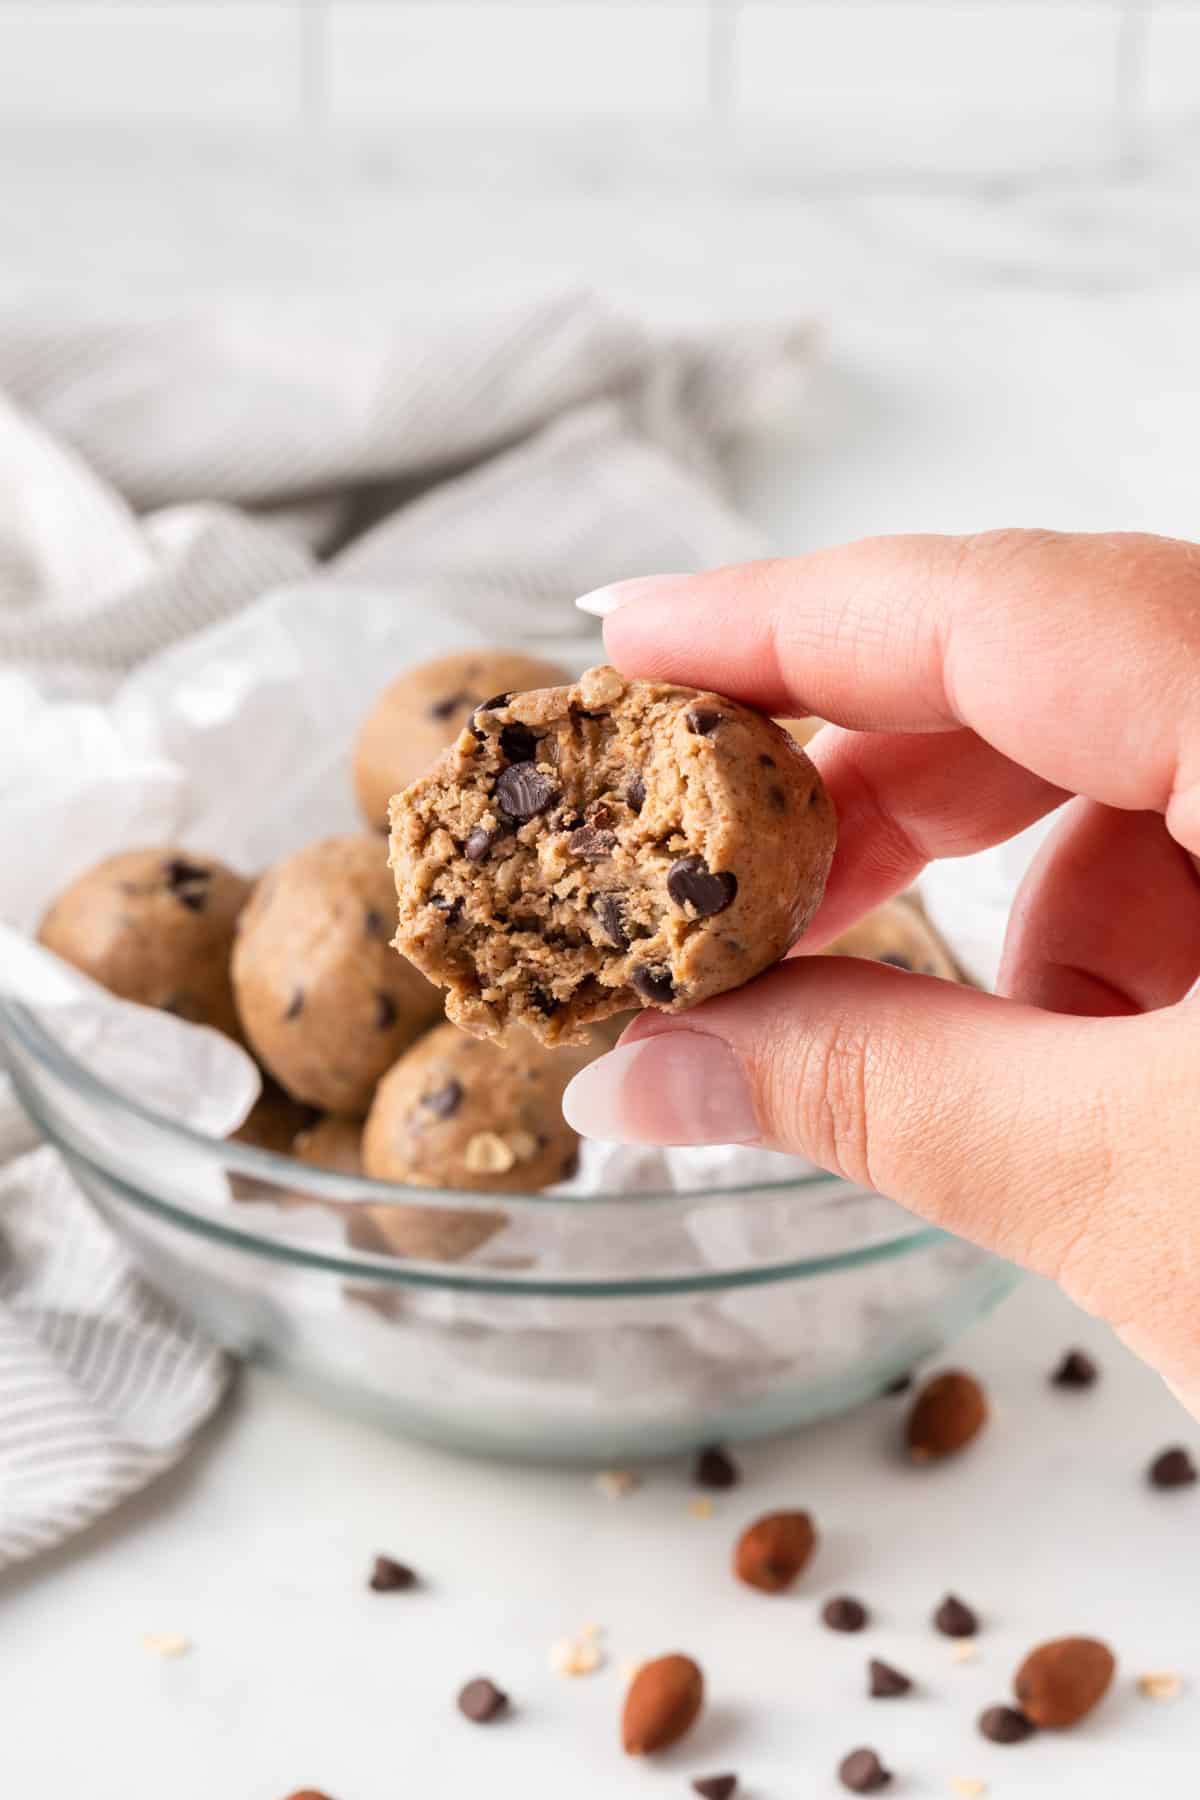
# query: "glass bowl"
[[601, 1329]]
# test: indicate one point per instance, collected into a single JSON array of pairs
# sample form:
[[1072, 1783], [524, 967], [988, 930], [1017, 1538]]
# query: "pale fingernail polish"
[[681, 1087], [605, 600]]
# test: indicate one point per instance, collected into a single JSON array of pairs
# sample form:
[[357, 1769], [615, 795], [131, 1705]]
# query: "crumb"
[[968, 1787], [700, 1508], [580, 1655], [1164, 1684], [166, 1643], [965, 1652], [616, 1483]]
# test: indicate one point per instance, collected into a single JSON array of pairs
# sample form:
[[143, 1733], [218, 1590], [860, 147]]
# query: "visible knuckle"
[[833, 1097]]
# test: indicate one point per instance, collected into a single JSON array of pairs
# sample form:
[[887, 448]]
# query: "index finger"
[[1078, 657]]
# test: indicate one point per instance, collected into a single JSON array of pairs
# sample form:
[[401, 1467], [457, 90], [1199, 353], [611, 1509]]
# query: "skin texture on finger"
[[903, 801], [1107, 919], [1100, 636]]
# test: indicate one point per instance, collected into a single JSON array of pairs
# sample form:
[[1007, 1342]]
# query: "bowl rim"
[[22, 1024]]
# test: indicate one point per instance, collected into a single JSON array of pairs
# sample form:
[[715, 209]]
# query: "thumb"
[[999, 1121]]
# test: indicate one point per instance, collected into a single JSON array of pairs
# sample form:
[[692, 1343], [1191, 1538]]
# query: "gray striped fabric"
[[160, 468]]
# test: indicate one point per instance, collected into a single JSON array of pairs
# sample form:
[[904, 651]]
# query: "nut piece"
[[1160, 1685], [947, 1413], [166, 1643], [600, 686], [1060, 1682], [772, 1552], [663, 1703], [523, 1145], [488, 1154]]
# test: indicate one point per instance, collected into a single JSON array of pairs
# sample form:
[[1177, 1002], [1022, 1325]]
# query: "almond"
[[663, 1702], [947, 1413], [772, 1552], [1060, 1682]]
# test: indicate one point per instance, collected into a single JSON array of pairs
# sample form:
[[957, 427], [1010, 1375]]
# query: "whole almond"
[[947, 1413], [1060, 1682], [772, 1552], [663, 1702]]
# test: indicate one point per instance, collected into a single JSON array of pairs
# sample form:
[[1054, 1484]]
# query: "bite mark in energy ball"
[[424, 709], [326, 1005], [582, 850], [154, 926]]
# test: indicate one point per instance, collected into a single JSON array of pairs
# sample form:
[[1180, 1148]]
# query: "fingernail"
[[681, 1087], [605, 600]]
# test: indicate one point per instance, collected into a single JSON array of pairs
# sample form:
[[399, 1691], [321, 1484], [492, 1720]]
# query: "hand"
[[975, 685]]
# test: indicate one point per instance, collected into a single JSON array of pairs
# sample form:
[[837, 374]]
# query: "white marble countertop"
[[994, 357]]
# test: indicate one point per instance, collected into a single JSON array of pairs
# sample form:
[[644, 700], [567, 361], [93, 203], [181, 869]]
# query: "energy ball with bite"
[[606, 845], [423, 711], [326, 1005], [896, 933], [155, 926], [463, 1112]]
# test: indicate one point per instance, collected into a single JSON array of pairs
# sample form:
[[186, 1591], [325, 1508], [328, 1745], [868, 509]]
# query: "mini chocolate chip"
[[1076, 1370], [703, 720], [195, 899], [442, 709], [481, 1700], [767, 762], [777, 797], [523, 791], [715, 1787], [389, 1576], [609, 911], [1005, 1725], [715, 1468], [590, 844], [635, 793], [180, 873], [451, 908], [863, 1773], [375, 924], [518, 743], [492, 705], [901, 1385], [543, 1002], [1171, 1469], [653, 984], [690, 882], [479, 843], [385, 1011], [295, 1005], [844, 1613], [886, 1683], [896, 961], [955, 1619], [444, 1101]]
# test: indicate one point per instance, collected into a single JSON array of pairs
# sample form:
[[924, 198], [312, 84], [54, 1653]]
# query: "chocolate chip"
[[894, 958], [481, 1700], [863, 1773], [451, 908], [492, 705], [886, 1683], [690, 882], [1076, 1370], [590, 844], [901, 1385], [1171, 1469], [375, 924], [715, 1787], [385, 1011], [479, 843], [1005, 1725], [188, 882], [523, 791], [844, 1613], [653, 984], [445, 1101], [955, 1619], [442, 709], [777, 797], [703, 720], [609, 911], [295, 1005], [543, 1002], [518, 743], [715, 1468], [635, 793], [389, 1576]]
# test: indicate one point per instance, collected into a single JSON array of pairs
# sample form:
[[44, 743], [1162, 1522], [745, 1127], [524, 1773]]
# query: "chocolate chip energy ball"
[[424, 709], [462, 1112], [591, 848], [325, 1004], [896, 933], [155, 926]]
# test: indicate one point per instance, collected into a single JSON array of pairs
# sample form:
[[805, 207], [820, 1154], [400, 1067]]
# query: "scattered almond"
[[1162, 1685], [488, 1154], [773, 1551], [663, 1703], [947, 1413], [166, 1643], [616, 1483], [1060, 1682]]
